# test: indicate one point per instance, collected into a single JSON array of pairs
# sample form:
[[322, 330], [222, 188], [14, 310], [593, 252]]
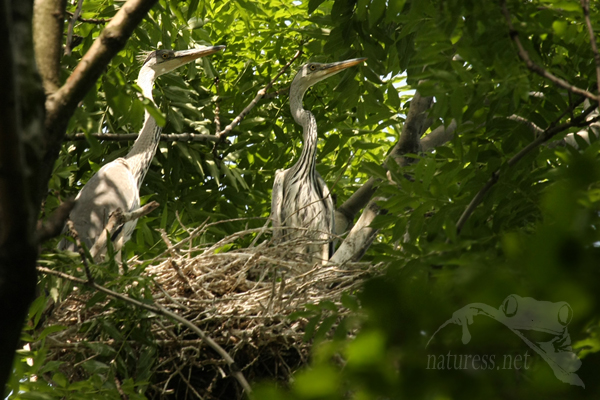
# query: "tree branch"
[[585, 5], [412, 130], [360, 237], [99, 21], [130, 137], [48, 23], [158, 309], [592, 129], [217, 107], [514, 35], [552, 130], [533, 127], [438, 136], [344, 215], [261, 94], [55, 224], [72, 27], [409, 142]]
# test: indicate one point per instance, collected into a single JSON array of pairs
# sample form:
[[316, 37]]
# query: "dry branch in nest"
[[241, 298]]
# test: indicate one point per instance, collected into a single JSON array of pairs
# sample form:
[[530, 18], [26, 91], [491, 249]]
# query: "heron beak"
[[185, 56], [332, 68]]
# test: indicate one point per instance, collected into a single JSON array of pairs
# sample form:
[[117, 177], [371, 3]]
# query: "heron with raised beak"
[[301, 204], [117, 184]]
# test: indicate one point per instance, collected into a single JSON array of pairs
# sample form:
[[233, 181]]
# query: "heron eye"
[[165, 55], [312, 67]]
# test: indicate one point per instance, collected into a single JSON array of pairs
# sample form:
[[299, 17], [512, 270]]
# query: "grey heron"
[[301, 205], [117, 184]]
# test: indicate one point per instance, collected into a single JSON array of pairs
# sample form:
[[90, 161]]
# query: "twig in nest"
[[120, 389], [158, 309], [80, 250]]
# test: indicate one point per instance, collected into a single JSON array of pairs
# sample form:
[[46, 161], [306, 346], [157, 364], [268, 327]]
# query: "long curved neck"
[[305, 166], [143, 149]]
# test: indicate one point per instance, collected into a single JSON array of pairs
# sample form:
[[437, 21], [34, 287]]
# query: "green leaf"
[[50, 330], [350, 302], [393, 98], [154, 112], [330, 145], [319, 382], [361, 9], [60, 379], [325, 327], [313, 5], [376, 10], [95, 367], [367, 349]]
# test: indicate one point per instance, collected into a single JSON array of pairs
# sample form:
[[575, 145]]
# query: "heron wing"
[[330, 209], [112, 187], [277, 202]]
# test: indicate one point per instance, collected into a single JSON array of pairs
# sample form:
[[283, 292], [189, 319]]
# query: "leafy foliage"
[[534, 234]]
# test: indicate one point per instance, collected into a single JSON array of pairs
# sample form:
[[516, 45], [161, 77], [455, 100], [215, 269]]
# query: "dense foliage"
[[535, 234]]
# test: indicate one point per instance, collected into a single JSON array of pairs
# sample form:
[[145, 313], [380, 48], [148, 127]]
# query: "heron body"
[[117, 184], [301, 204]]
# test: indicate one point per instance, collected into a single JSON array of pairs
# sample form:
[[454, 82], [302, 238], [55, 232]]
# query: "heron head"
[[312, 73], [163, 61]]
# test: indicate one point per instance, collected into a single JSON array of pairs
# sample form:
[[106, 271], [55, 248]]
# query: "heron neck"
[[306, 164], [143, 149]]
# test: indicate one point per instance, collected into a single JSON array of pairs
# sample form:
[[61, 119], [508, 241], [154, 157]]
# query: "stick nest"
[[242, 298]]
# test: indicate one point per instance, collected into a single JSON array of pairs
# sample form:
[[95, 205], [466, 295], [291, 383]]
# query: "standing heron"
[[117, 184], [301, 205]]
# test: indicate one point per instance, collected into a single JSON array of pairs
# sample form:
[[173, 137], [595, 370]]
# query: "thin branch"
[[55, 224], [72, 27], [585, 5], [578, 121], [261, 93], [118, 218], [99, 21], [217, 108], [120, 389], [514, 35], [130, 137], [80, 250], [157, 309], [533, 127], [276, 93]]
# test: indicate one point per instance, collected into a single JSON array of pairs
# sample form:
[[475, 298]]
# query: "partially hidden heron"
[[301, 204], [117, 184]]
